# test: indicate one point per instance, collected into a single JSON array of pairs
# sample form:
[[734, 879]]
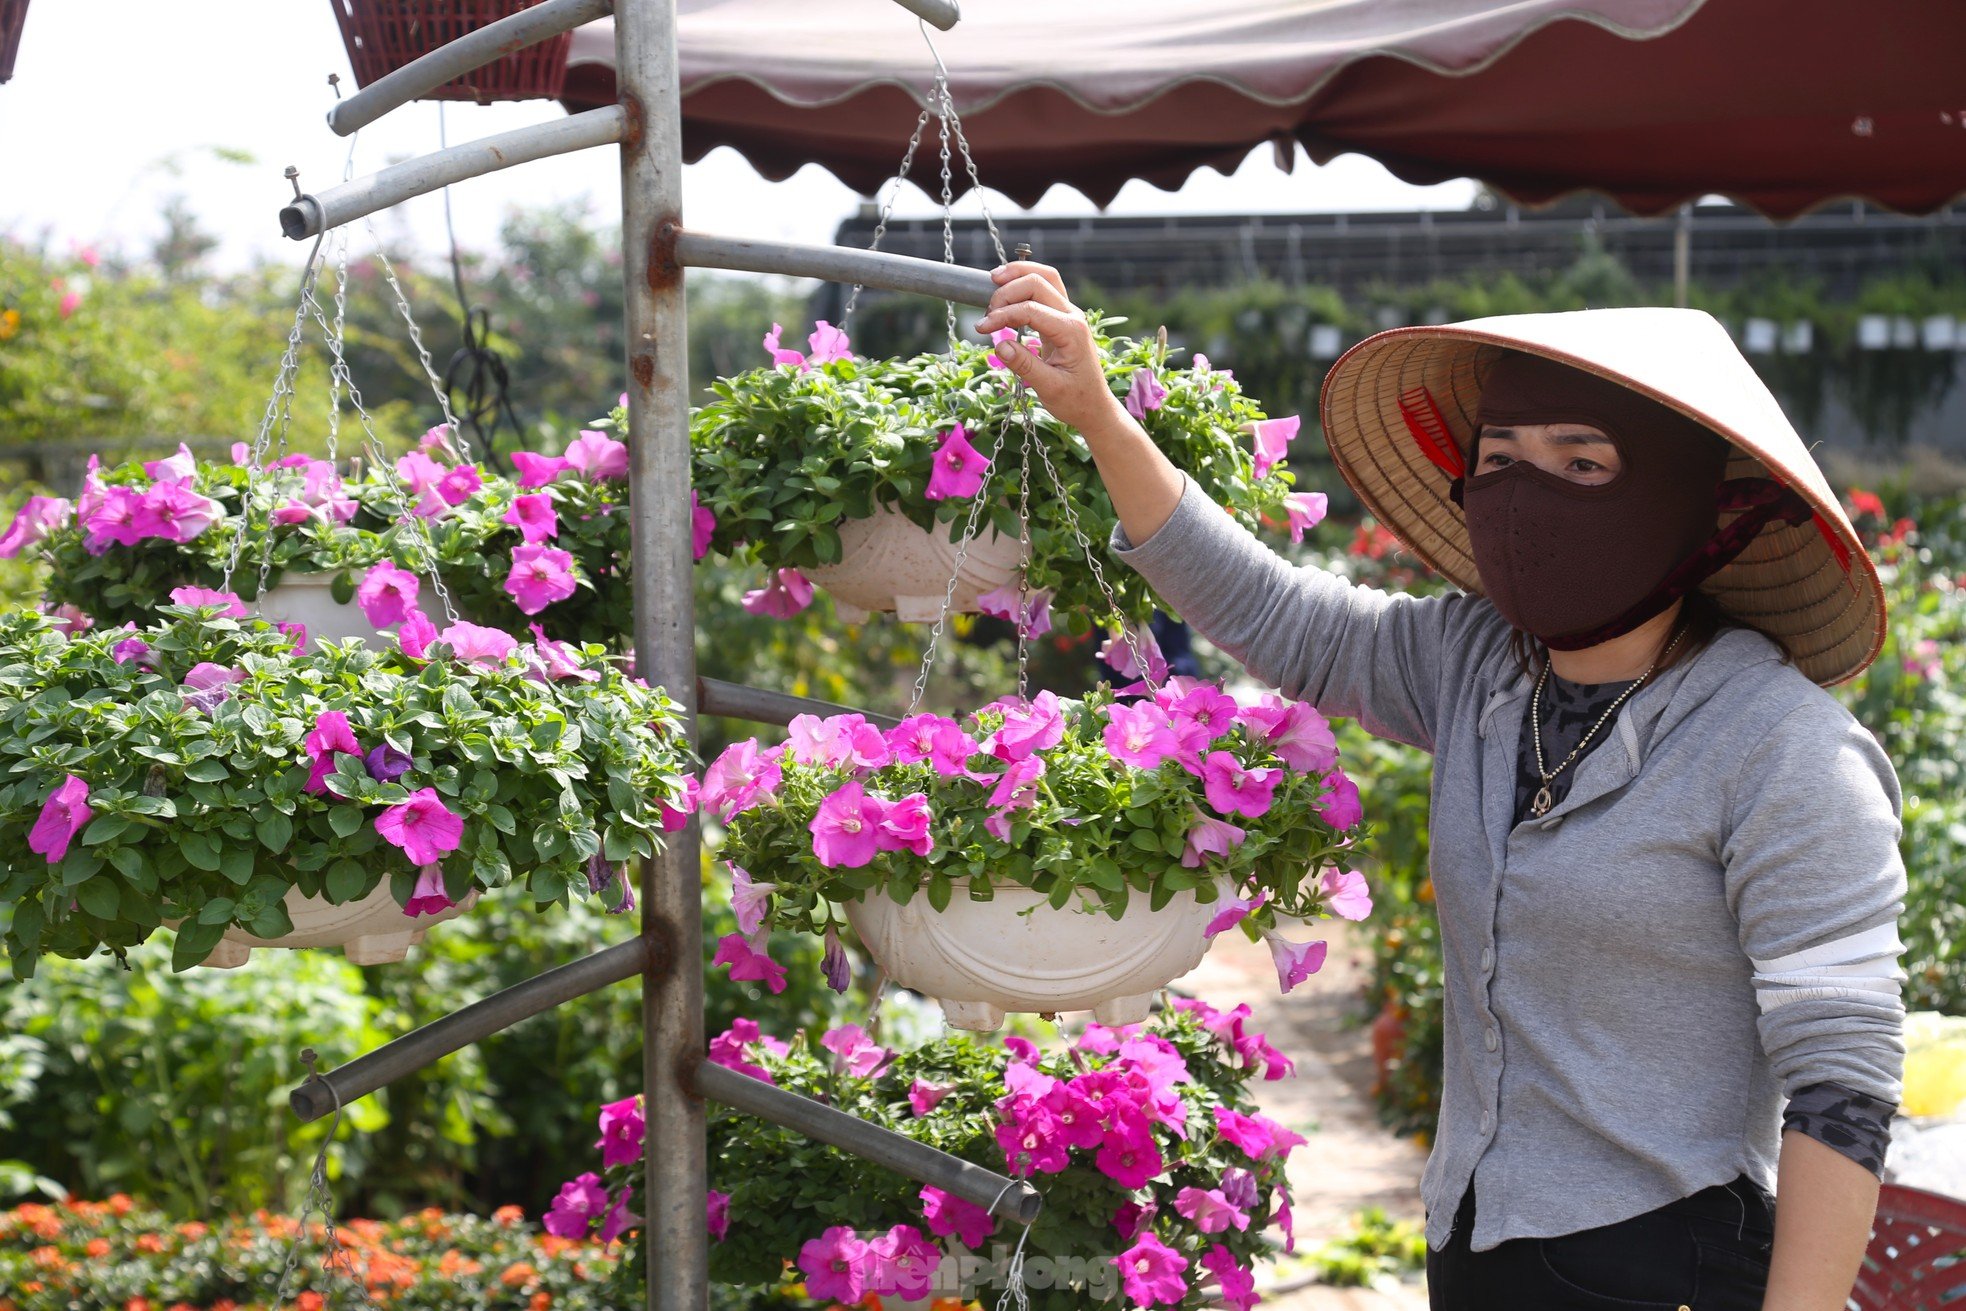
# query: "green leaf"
[[200, 851], [217, 911], [106, 828], [207, 771], [346, 880], [275, 831], [344, 820], [237, 864], [342, 588], [100, 897]]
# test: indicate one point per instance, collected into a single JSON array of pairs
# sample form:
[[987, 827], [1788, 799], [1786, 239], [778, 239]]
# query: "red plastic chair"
[[1917, 1255]]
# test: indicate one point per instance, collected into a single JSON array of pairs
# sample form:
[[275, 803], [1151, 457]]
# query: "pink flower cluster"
[[170, 509], [842, 1266], [826, 342], [585, 1208]]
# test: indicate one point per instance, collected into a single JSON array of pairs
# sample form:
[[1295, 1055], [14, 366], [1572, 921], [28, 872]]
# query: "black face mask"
[[1575, 565]]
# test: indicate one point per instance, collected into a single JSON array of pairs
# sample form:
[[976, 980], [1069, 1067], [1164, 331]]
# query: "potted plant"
[[348, 556], [861, 475], [1041, 855], [1161, 1178], [205, 769]]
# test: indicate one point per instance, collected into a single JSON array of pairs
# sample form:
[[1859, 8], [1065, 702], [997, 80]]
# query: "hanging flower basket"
[[383, 35], [205, 771], [1040, 856], [805, 466], [888, 562], [347, 557], [371, 930]]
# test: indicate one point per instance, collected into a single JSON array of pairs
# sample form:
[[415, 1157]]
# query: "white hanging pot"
[[888, 562], [371, 930], [983, 959], [309, 599]]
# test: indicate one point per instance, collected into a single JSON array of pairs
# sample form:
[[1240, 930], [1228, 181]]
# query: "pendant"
[[1541, 805]]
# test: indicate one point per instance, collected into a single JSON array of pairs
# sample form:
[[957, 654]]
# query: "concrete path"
[[1351, 1161]]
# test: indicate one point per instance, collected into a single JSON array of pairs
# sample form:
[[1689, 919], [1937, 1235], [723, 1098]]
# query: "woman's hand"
[[1070, 380], [1068, 374]]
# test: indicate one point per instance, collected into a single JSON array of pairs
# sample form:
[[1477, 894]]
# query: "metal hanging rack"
[[647, 126]]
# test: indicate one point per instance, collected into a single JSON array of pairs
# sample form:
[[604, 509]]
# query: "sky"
[[115, 105]]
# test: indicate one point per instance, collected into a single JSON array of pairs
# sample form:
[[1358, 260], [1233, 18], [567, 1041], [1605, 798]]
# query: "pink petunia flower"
[[580, 1203], [179, 467], [827, 343], [293, 512], [748, 899], [423, 827], [1118, 654], [37, 517], [460, 484], [1258, 1135], [924, 1096], [1210, 837], [1345, 894], [1234, 911], [65, 813], [419, 473], [717, 1214], [1144, 393], [416, 634], [597, 456], [1295, 962], [1236, 1286], [533, 515], [485, 646], [557, 660], [780, 355], [674, 812], [228, 603], [844, 829], [835, 1266], [618, 1221], [728, 1048], [748, 961], [784, 594], [816, 740], [1234, 788], [1027, 728], [1003, 602], [208, 686], [175, 513], [1297, 733], [1210, 1210], [387, 593], [1306, 510], [1129, 1156], [857, 1054], [130, 649], [622, 1129], [330, 737], [1150, 1273], [1341, 807], [1272, 438], [958, 468], [950, 1216], [428, 897], [536, 470], [540, 575], [833, 964], [901, 1263], [738, 778], [903, 825], [702, 526], [1131, 1217], [114, 516], [1138, 734], [1029, 1137]]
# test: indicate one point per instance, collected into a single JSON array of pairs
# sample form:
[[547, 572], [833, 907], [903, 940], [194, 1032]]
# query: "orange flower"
[[193, 1230], [518, 1273], [454, 1263], [120, 1203], [151, 1244], [509, 1215], [48, 1258], [541, 1301], [309, 1301], [554, 1245], [137, 1304], [97, 1247]]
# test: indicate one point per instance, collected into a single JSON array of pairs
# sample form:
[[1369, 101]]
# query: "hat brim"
[[1812, 587]]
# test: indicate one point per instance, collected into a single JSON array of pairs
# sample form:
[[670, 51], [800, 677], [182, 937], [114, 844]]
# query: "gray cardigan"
[[1636, 981]]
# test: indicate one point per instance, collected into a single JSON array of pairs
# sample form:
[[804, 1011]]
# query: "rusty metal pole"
[[675, 1236]]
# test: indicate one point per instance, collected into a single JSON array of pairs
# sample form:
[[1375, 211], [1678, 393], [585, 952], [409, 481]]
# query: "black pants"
[[1707, 1252]]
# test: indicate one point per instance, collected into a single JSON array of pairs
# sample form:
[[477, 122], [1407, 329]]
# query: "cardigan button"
[[1493, 1040]]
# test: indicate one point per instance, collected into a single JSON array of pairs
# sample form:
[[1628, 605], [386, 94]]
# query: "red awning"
[[1778, 104]]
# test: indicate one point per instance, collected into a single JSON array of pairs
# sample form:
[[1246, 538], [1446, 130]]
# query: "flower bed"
[[1163, 1186], [203, 768], [126, 1256]]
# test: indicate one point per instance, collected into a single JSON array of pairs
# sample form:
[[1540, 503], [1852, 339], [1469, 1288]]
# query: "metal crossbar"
[[667, 955]]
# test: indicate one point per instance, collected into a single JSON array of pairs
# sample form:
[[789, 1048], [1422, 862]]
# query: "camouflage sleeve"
[[1848, 1122]]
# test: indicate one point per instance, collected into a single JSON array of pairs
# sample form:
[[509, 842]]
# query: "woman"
[[1664, 859]]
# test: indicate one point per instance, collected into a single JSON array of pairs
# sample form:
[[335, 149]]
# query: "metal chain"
[[416, 338], [887, 211], [1127, 633], [378, 456], [320, 1197], [1024, 558], [941, 93], [283, 379]]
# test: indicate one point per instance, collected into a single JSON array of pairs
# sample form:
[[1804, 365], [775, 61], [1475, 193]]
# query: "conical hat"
[[1810, 586]]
